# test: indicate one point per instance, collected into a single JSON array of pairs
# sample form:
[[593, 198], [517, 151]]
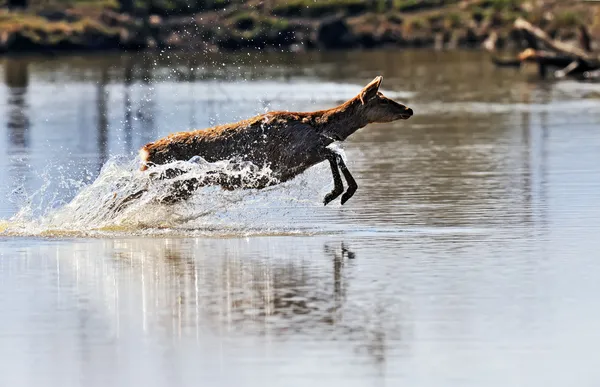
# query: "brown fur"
[[287, 142]]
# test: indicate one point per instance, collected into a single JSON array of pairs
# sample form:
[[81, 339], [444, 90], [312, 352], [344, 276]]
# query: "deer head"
[[376, 107]]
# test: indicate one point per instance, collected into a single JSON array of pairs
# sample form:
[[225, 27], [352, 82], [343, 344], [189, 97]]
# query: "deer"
[[287, 142]]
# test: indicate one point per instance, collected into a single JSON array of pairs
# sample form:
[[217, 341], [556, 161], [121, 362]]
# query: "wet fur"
[[287, 142]]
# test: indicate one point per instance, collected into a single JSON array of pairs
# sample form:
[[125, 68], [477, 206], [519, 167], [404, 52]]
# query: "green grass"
[[27, 21], [395, 19], [251, 21], [567, 19], [502, 5], [453, 20], [414, 25], [160, 7], [64, 4], [243, 20], [416, 5], [42, 32], [478, 14]]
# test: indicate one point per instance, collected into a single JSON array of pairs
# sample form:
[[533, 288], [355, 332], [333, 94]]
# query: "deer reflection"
[[280, 295], [339, 261], [196, 287]]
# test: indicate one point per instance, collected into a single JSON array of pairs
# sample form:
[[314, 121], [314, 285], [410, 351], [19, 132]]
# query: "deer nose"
[[409, 111]]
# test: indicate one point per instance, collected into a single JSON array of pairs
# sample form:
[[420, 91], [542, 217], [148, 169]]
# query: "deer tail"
[[144, 156]]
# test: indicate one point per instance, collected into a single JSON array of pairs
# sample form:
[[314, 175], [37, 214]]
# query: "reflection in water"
[[179, 290], [247, 294], [147, 109], [193, 65], [339, 260], [127, 120], [16, 78], [102, 117], [18, 127], [543, 161], [172, 294], [528, 170], [535, 137]]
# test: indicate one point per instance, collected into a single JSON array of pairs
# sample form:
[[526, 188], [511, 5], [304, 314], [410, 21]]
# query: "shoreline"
[[247, 27]]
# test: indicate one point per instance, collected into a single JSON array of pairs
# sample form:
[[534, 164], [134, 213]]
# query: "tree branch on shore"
[[555, 45], [569, 59]]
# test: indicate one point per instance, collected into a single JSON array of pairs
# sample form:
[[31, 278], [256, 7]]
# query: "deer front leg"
[[338, 186], [336, 158], [352, 186]]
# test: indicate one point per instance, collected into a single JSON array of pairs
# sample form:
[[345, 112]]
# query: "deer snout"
[[407, 113]]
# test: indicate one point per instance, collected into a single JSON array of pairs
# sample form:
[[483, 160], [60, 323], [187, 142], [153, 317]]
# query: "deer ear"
[[370, 90]]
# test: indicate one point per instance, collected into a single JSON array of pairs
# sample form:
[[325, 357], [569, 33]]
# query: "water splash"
[[96, 208]]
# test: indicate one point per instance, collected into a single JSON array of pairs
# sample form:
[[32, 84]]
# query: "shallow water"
[[467, 257]]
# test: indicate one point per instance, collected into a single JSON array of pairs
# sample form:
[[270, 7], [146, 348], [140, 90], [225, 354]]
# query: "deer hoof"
[[345, 198], [347, 195], [330, 197]]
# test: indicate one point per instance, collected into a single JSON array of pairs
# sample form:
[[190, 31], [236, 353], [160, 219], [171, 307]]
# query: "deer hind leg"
[[181, 190], [178, 191], [119, 206], [338, 186]]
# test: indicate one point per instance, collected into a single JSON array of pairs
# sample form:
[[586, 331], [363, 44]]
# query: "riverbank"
[[283, 25]]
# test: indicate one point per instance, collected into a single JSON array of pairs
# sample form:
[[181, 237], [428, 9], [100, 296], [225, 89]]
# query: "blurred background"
[[275, 25]]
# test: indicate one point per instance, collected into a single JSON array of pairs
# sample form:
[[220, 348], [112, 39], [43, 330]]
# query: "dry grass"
[[20, 21]]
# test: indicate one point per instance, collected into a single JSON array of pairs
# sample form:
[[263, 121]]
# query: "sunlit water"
[[468, 256]]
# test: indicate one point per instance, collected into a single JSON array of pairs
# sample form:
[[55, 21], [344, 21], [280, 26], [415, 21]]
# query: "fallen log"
[[568, 66], [544, 59], [558, 46], [568, 59], [489, 45]]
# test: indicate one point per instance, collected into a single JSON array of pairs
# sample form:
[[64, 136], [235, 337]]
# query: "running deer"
[[287, 142]]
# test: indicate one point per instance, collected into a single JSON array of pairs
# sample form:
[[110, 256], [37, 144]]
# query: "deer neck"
[[340, 122]]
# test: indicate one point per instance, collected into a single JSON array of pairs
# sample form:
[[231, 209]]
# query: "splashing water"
[[95, 210]]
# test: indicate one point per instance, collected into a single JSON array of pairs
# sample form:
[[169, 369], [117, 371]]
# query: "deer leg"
[[352, 186], [117, 207], [181, 190], [338, 186]]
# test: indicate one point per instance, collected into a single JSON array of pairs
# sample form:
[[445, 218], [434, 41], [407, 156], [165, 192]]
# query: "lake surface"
[[469, 256]]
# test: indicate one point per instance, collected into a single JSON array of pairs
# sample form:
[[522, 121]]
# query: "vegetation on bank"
[[278, 24]]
